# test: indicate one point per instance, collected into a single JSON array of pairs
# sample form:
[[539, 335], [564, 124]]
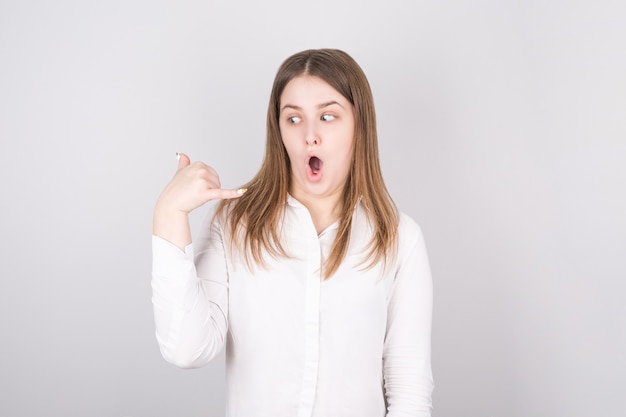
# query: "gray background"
[[503, 133]]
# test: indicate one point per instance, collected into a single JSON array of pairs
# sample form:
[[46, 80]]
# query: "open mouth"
[[315, 164]]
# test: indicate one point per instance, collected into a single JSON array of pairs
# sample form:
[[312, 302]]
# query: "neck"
[[324, 210]]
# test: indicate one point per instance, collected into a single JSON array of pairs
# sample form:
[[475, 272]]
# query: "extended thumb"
[[183, 161]]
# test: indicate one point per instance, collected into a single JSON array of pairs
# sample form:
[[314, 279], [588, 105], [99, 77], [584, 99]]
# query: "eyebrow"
[[319, 106]]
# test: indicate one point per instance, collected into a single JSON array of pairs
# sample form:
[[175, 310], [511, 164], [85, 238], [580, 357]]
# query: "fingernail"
[[177, 156], [241, 191]]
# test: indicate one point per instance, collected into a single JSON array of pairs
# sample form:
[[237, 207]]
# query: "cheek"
[[291, 148], [286, 140], [345, 146], [289, 135], [344, 153]]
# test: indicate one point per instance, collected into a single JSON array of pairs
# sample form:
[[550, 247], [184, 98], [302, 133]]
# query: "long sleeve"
[[190, 298], [406, 355]]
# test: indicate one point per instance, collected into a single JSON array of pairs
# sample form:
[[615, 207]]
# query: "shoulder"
[[412, 254], [408, 230], [410, 241]]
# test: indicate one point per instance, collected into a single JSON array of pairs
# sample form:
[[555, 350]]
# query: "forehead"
[[307, 90]]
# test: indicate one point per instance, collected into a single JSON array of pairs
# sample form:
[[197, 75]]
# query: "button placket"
[[312, 330]]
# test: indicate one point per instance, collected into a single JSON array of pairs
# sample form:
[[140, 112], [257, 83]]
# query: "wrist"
[[171, 224]]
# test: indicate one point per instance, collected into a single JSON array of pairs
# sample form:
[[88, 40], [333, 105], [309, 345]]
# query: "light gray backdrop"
[[503, 133]]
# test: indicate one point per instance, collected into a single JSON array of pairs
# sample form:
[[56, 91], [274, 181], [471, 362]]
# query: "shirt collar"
[[293, 202]]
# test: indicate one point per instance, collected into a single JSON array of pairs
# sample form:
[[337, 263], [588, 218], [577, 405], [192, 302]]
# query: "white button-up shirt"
[[357, 344]]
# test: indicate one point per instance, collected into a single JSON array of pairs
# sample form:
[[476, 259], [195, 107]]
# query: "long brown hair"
[[254, 218]]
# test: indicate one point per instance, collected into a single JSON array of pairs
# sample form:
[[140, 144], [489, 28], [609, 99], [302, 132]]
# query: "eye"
[[328, 117], [293, 119]]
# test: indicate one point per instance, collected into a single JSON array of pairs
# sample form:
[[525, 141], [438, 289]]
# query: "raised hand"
[[192, 186]]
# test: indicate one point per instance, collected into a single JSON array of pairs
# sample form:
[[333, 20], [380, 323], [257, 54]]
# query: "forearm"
[[172, 225], [408, 383], [188, 311]]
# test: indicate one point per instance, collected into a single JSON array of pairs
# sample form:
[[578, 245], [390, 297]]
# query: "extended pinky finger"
[[226, 194]]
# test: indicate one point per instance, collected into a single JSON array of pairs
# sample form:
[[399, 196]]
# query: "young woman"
[[319, 289]]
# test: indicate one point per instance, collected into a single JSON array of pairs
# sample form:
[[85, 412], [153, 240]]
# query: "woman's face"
[[317, 128]]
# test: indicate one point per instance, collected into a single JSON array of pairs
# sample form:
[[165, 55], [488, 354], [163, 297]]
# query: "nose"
[[312, 140]]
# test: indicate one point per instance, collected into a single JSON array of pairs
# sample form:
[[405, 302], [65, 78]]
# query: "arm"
[[190, 298], [406, 356]]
